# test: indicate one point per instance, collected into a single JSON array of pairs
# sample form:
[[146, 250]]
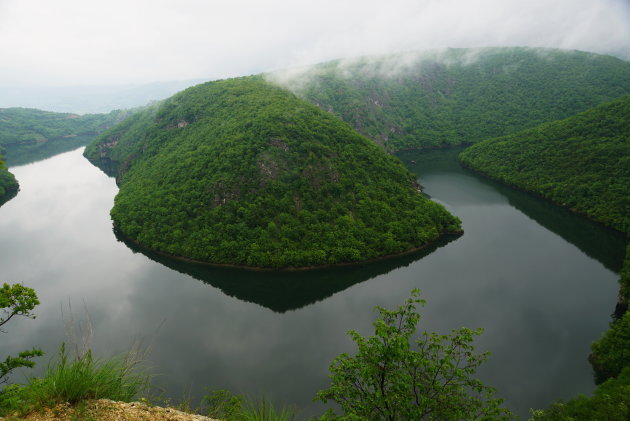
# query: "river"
[[540, 280]]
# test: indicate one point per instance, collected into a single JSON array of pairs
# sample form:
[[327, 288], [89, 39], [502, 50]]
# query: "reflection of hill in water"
[[109, 167], [602, 244], [26, 153], [595, 240], [281, 291]]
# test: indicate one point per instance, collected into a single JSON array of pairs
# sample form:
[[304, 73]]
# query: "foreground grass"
[[91, 389], [226, 406], [72, 381]]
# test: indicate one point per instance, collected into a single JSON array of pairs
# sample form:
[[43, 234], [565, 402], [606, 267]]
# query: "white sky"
[[70, 42]]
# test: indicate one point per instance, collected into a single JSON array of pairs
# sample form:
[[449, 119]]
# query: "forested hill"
[[458, 96], [582, 162], [8, 184], [27, 125], [242, 172]]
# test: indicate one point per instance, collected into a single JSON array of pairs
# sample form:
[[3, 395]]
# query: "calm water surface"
[[540, 280]]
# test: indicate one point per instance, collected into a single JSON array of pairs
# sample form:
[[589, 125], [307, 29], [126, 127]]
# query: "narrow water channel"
[[540, 280]]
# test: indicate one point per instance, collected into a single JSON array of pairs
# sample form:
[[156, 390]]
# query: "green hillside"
[[8, 184], [241, 172], [459, 96], [582, 162]]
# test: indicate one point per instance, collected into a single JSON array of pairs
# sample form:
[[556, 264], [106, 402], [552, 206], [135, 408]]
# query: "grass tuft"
[[75, 381], [264, 410], [224, 405]]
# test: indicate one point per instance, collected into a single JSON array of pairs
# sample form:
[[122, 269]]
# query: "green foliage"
[[460, 96], [76, 381], [264, 410], [29, 132], [224, 405], [30, 135], [611, 354], [241, 172], [17, 300], [582, 162], [391, 379], [86, 378], [8, 184], [610, 402]]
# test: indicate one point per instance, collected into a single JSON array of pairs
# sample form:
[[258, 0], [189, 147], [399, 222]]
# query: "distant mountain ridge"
[[27, 125], [90, 99]]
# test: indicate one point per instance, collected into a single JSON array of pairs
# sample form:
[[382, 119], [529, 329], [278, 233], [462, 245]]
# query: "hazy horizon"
[[76, 56], [77, 43]]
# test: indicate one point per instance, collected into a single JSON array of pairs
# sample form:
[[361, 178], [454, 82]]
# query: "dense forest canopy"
[[582, 162], [458, 96], [242, 172], [8, 184]]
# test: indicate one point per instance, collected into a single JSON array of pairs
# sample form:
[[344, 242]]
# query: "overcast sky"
[[70, 42]]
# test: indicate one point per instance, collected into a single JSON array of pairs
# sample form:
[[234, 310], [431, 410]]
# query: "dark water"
[[26, 153], [540, 281]]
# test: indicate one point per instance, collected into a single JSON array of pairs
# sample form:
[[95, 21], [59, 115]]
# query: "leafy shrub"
[[611, 401], [391, 379]]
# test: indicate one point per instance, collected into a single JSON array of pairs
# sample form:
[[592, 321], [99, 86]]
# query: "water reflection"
[[32, 152], [595, 240], [541, 300], [282, 291], [4, 199]]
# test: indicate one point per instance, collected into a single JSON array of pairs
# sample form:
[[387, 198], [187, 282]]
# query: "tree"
[[389, 379], [17, 300], [610, 401], [611, 353]]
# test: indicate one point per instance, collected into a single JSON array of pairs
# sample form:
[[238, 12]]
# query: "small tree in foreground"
[[391, 379], [17, 300]]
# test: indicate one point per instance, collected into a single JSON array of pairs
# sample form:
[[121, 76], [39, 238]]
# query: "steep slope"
[[582, 162], [241, 172], [8, 184], [458, 96]]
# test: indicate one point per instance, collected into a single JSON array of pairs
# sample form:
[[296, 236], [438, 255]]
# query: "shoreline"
[[119, 233], [541, 196]]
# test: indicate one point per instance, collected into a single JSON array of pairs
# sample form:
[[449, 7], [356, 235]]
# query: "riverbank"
[[139, 247]]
